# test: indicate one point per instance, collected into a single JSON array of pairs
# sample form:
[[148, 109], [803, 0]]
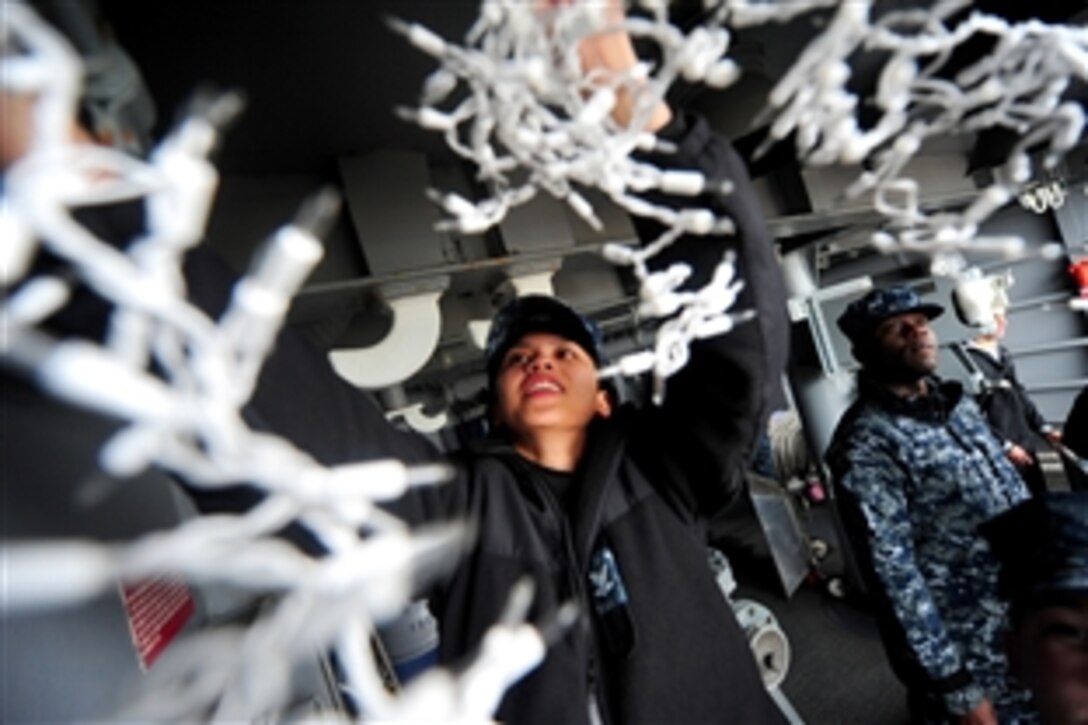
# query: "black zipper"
[[574, 576]]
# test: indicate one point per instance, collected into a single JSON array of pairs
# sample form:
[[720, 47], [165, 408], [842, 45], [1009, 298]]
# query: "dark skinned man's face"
[[904, 348]]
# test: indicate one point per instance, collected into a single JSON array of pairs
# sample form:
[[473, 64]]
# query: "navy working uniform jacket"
[[915, 480]]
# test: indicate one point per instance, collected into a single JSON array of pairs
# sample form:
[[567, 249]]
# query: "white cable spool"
[[769, 644]]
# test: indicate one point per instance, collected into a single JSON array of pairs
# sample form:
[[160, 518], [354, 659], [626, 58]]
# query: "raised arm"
[[613, 51], [718, 404], [715, 409]]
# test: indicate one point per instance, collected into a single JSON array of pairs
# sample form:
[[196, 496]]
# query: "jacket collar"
[[599, 467], [997, 354], [934, 407], [600, 463]]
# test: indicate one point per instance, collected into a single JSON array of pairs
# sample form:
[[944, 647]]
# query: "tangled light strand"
[[1018, 86], [529, 109], [691, 314], [186, 420], [532, 120]]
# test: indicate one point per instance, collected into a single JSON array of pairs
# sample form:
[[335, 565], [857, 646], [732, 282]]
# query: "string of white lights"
[[1018, 85], [515, 100], [523, 112], [185, 418], [690, 315]]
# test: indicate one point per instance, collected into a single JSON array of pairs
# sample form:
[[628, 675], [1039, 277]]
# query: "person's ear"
[[603, 403], [864, 351]]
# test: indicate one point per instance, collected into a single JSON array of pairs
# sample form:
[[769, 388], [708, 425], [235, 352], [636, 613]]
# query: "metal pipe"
[[1074, 384], [831, 219], [1050, 347], [781, 227], [414, 275], [1039, 301]]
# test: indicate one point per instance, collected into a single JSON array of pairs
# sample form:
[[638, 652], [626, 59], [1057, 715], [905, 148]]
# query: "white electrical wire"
[[1017, 85], [515, 101], [186, 419]]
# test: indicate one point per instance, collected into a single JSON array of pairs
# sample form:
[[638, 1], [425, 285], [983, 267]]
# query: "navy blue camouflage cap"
[[538, 313], [1042, 545], [863, 315]]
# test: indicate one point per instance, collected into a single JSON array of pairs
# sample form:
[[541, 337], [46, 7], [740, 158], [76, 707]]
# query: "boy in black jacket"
[[602, 506], [606, 507]]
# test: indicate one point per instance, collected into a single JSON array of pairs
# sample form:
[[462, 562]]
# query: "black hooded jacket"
[[648, 482]]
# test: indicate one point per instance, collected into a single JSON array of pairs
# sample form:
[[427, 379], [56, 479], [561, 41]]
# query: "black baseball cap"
[[538, 313], [862, 316]]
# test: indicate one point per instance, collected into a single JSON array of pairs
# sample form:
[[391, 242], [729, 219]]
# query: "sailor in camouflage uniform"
[[918, 470], [1042, 545]]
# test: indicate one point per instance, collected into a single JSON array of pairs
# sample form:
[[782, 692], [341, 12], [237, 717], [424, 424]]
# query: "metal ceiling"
[[322, 77]]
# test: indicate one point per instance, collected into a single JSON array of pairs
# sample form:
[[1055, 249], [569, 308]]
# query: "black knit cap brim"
[[534, 314], [931, 311]]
